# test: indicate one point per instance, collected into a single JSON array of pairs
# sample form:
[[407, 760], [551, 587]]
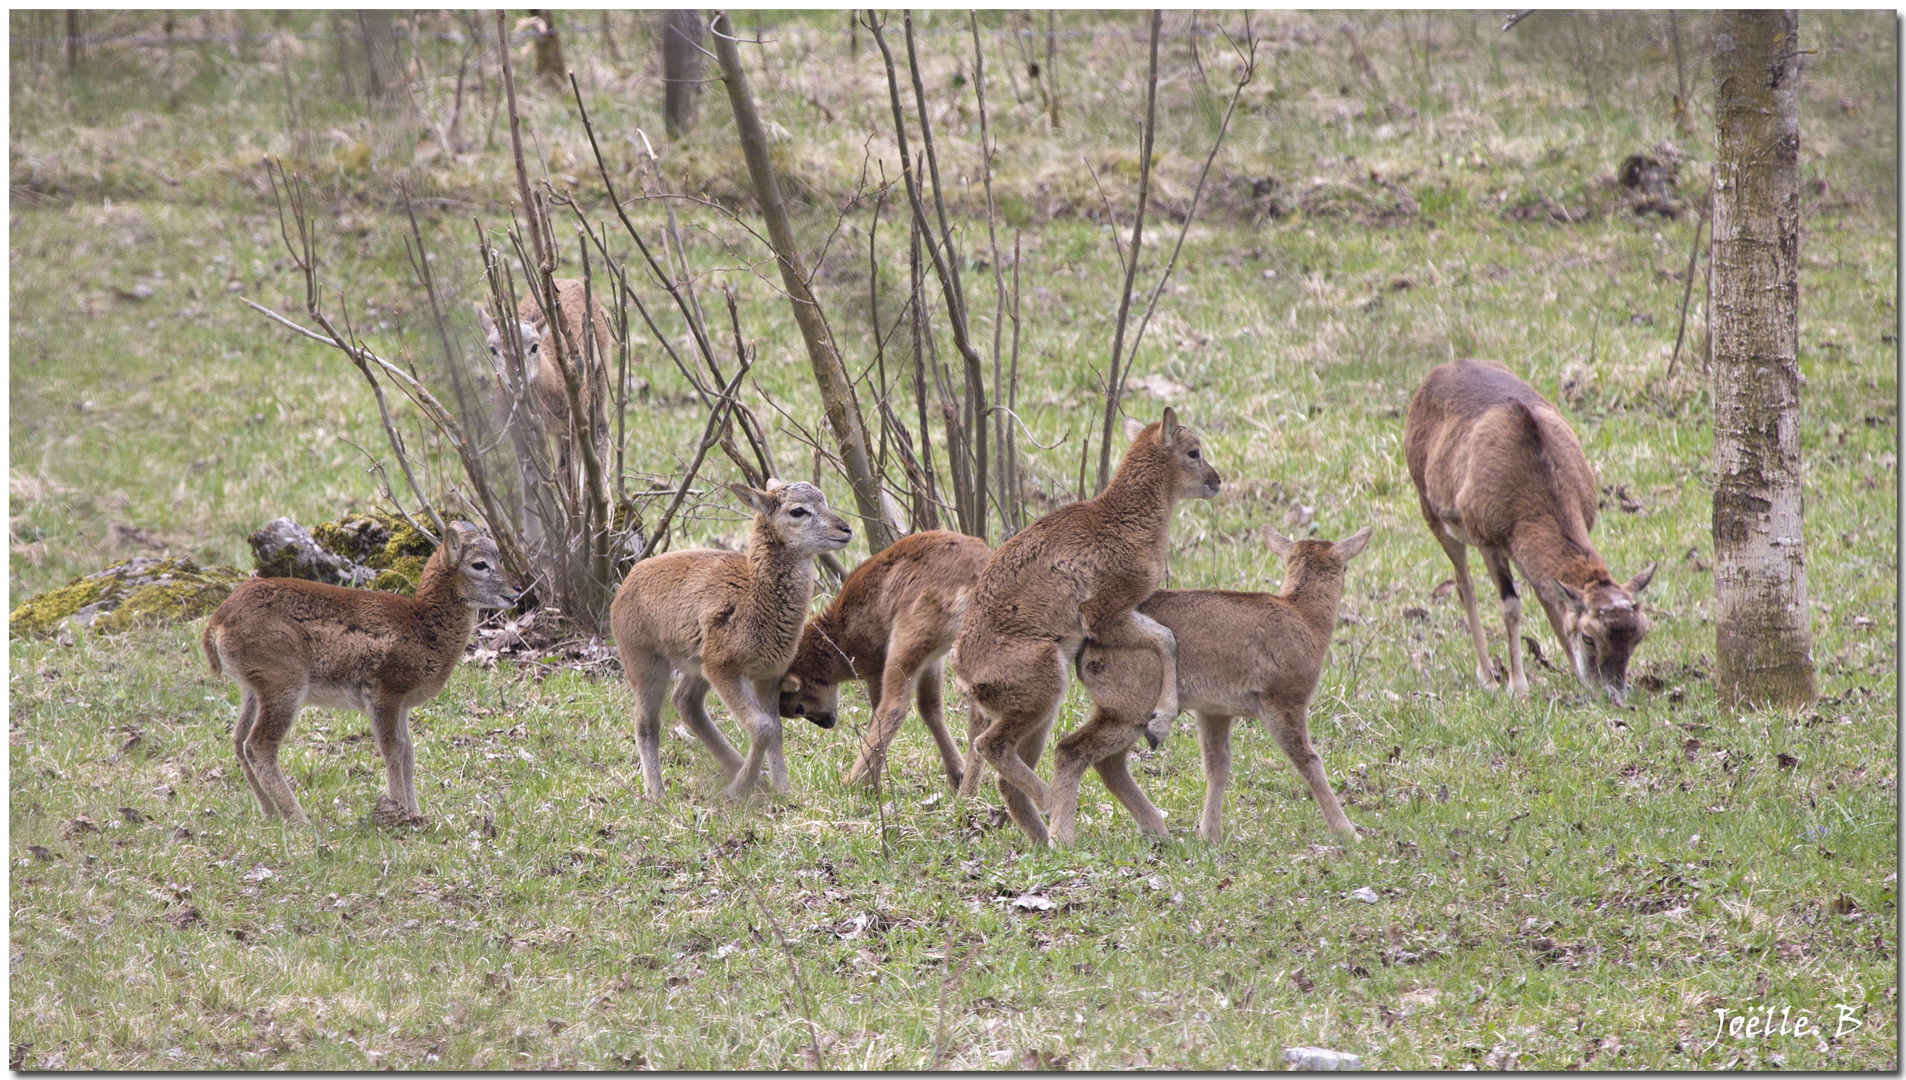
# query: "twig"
[[1516, 18], [953, 976], [516, 139], [473, 464], [691, 312], [999, 280], [926, 499], [304, 254], [1084, 452], [681, 292], [1363, 62], [1151, 304], [1110, 221], [1595, 326], [794, 966], [1052, 66], [1017, 504], [1113, 378], [1061, 441], [1687, 293], [873, 310], [709, 438], [1581, 55], [946, 269], [674, 232]]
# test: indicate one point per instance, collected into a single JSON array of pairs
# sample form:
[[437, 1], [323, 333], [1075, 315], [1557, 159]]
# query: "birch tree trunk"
[[1763, 649], [830, 375]]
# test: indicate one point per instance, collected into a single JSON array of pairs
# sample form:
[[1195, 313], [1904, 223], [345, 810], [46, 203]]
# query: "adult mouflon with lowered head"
[[1079, 572], [1495, 465], [727, 620], [290, 643], [1239, 654]]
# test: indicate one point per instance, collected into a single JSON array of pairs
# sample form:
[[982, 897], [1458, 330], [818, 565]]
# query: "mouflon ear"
[[790, 683], [1132, 428], [761, 502], [452, 543], [1168, 429], [1351, 546], [1279, 544], [1569, 596]]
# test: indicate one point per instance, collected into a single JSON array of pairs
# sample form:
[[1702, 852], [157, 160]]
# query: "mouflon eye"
[[479, 565], [1192, 453], [798, 512]]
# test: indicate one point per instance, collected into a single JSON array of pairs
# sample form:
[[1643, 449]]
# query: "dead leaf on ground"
[[78, 827], [123, 537], [390, 812], [1503, 1057]]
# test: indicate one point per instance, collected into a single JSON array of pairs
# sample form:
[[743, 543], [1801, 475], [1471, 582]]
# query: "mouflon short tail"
[[210, 642]]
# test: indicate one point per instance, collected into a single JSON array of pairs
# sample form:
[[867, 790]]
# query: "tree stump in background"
[[682, 37]]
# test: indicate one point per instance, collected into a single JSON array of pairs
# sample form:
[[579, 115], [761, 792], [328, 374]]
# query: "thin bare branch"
[[794, 967], [516, 139], [710, 437], [1151, 304], [1113, 376], [1004, 498]]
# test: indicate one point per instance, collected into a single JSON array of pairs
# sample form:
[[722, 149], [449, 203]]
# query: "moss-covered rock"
[[379, 541], [283, 549], [402, 575], [43, 613], [128, 593]]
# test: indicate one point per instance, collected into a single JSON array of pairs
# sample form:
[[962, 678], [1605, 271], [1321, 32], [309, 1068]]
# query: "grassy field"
[[1560, 884]]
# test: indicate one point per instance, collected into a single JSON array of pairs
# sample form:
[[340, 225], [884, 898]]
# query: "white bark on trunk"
[[1763, 649]]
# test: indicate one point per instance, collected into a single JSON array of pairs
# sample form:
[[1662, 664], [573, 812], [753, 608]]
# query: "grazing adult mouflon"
[[1495, 465], [728, 620], [890, 627], [1079, 572], [1239, 654], [290, 643]]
